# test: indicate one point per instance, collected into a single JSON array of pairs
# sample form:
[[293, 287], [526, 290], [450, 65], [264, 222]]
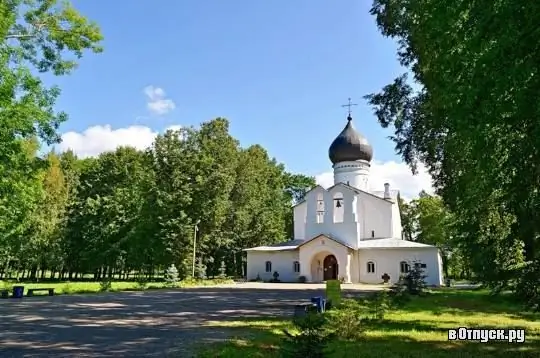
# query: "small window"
[[419, 265], [371, 267], [372, 233], [296, 266], [404, 267], [268, 266]]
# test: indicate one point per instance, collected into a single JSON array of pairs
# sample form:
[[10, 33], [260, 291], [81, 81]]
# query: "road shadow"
[[136, 324]]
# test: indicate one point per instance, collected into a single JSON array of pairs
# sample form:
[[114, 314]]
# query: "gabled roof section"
[[392, 244], [328, 237], [351, 188], [281, 246]]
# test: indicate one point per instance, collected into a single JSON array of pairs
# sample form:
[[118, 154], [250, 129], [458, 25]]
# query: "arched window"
[[296, 266], [371, 267], [268, 266], [404, 267], [320, 208]]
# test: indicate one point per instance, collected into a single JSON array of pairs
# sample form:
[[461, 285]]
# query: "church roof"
[[281, 246], [328, 237], [374, 194], [350, 145], [391, 244]]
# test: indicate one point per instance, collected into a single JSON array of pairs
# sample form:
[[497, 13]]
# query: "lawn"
[[78, 287], [418, 329]]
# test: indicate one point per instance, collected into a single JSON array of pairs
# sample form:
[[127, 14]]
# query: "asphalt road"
[[137, 324]]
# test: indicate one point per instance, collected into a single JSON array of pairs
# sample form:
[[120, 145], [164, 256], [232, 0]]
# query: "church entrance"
[[330, 267]]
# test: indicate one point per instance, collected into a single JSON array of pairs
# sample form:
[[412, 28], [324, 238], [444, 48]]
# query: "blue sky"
[[279, 71]]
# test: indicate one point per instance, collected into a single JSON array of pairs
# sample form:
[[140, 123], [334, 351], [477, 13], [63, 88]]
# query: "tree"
[[473, 121], [35, 35]]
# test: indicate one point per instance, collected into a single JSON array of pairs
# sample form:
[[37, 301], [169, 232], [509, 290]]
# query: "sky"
[[278, 71]]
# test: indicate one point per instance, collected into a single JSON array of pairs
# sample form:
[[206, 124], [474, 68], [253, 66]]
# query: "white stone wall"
[[374, 215], [316, 250], [388, 261], [299, 214], [282, 262]]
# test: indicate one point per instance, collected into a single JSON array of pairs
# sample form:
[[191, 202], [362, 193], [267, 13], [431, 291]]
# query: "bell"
[[338, 204]]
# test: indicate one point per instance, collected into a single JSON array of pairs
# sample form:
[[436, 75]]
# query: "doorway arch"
[[330, 268]]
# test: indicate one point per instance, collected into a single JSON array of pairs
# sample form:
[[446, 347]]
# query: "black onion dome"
[[350, 145]]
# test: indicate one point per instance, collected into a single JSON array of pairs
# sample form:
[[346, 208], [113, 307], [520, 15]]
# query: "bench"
[[32, 290]]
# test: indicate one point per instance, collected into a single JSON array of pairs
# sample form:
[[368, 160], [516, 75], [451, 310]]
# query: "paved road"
[[138, 324]]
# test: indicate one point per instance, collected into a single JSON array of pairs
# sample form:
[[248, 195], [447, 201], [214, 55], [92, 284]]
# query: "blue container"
[[18, 291], [320, 302]]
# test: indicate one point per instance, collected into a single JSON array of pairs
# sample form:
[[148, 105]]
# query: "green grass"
[[69, 288], [419, 329]]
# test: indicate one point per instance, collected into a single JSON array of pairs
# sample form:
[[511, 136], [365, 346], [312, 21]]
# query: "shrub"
[[200, 270], [105, 285], [346, 321], [171, 276], [378, 305], [414, 282], [142, 282], [527, 285], [223, 270], [311, 340], [67, 288], [302, 279]]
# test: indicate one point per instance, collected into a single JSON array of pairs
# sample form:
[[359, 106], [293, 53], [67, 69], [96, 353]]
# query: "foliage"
[[472, 121], [414, 281], [528, 285], [378, 305], [105, 285], [419, 329], [311, 340], [35, 37], [345, 322], [142, 282], [302, 279], [131, 211], [171, 275]]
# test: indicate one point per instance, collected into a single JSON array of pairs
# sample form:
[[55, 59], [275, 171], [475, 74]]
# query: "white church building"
[[346, 232]]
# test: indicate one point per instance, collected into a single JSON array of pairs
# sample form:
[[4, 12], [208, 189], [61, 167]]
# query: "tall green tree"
[[36, 36], [473, 121]]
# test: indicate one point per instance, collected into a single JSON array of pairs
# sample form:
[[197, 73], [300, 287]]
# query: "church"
[[346, 232]]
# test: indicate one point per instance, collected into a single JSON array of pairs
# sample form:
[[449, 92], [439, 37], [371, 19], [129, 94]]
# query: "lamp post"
[[194, 247]]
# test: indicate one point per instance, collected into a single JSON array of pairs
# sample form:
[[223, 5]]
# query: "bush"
[[527, 285], [378, 305], [223, 270], [105, 285], [311, 340], [200, 270], [142, 282], [171, 276], [414, 282], [346, 322], [302, 279], [67, 288]]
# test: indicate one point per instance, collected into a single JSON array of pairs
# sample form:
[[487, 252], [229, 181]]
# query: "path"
[[138, 324]]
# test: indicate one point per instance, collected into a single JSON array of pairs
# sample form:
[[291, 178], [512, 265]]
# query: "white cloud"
[[398, 175], [98, 139], [157, 103]]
